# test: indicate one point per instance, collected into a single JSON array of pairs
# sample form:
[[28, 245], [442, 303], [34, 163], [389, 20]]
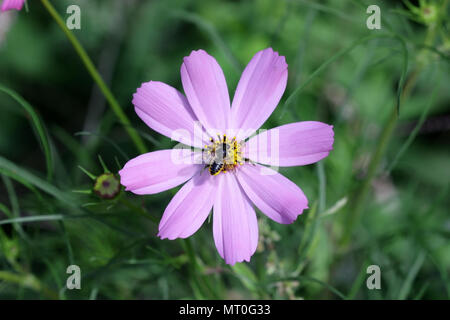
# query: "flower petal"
[[293, 144], [206, 89], [276, 196], [258, 92], [167, 111], [234, 222], [12, 4], [158, 171], [189, 208]]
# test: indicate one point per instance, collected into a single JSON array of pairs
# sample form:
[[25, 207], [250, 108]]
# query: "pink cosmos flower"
[[229, 178], [12, 4]]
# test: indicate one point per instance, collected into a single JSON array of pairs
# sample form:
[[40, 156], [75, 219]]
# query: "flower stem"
[[118, 111]]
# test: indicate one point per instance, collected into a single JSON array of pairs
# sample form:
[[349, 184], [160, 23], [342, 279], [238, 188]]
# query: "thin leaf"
[[13, 170], [416, 129], [246, 275], [38, 127], [341, 53], [413, 271]]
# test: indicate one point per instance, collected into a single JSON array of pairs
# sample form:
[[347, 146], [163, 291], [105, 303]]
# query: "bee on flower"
[[233, 176]]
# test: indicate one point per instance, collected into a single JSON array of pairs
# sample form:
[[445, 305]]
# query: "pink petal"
[[293, 144], [189, 208], [234, 222], [158, 171], [276, 196], [206, 89], [167, 111], [12, 4], [258, 92]]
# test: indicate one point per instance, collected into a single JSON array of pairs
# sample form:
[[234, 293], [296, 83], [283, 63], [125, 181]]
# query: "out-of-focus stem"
[[118, 111], [358, 202], [357, 205]]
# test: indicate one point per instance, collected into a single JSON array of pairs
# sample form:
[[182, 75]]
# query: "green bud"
[[107, 186], [429, 14]]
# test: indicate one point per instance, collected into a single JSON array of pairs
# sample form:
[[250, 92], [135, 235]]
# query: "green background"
[[402, 224]]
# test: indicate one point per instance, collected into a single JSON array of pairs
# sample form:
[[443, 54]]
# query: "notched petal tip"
[[206, 89], [259, 91], [274, 195], [198, 52], [188, 209], [144, 86], [232, 263], [162, 236], [280, 60], [298, 144]]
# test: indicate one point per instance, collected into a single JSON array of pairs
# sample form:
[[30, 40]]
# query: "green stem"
[[97, 78], [360, 197], [358, 202]]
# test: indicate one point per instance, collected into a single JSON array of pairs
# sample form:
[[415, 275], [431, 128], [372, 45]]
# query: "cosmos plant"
[[229, 177], [12, 5]]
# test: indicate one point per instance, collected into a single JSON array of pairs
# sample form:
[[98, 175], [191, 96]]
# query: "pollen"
[[223, 154]]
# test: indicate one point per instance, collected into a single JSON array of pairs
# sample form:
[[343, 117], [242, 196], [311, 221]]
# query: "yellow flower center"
[[222, 155]]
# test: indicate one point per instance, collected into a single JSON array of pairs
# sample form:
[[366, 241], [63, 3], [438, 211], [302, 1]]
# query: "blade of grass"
[[15, 172], [246, 276], [12, 196], [442, 271], [39, 218], [12, 170], [422, 291], [343, 52], [407, 285], [322, 186], [15, 209], [358, 281], [67, 241], [308, 236], [416, 129], [15, 177], [38, 127], [116, 108]]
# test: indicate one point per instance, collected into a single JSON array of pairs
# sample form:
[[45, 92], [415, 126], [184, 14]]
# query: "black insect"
[[215, 168]]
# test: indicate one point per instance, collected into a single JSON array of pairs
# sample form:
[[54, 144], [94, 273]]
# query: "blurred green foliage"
[[404, 226]]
